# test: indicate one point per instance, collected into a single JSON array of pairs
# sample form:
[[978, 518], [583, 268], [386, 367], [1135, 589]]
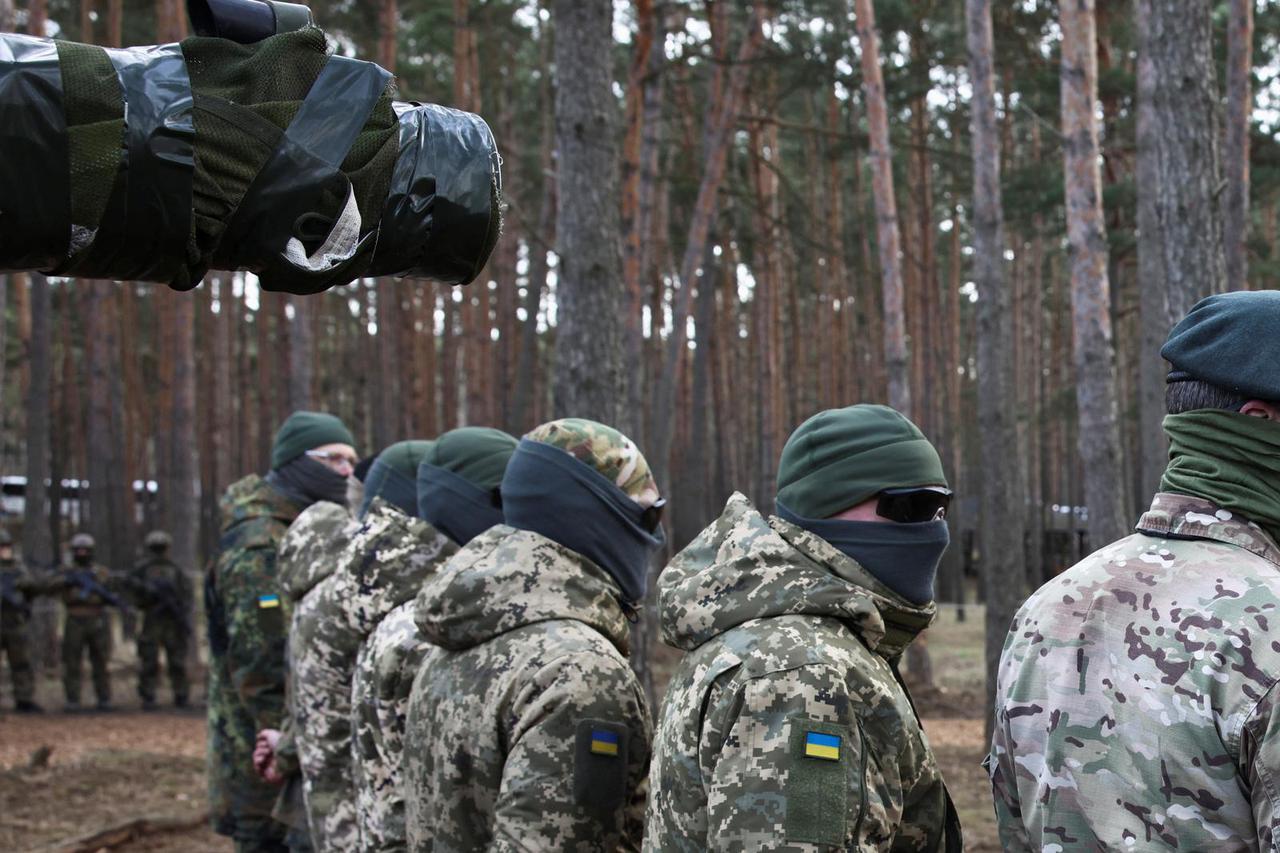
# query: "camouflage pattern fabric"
[[382, 566], [14, 641], [310, 545], [86, 630], [606, 450], [385, 669], [247, 617], [1135, 702], [161, 627], [784, 727], [527, 730]]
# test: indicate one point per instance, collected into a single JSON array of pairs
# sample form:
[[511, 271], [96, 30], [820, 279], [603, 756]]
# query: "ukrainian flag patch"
[[603, 742], [266, 602], [824, 746]]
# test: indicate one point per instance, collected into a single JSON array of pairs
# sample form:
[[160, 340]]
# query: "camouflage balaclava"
[[458, 481], [587, 487], [393, 476]]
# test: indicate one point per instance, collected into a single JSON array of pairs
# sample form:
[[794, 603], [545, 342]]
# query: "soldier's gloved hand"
[[264, 757]]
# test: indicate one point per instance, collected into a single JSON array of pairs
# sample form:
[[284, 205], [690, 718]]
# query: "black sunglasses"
[[912, 506], [652, 515]]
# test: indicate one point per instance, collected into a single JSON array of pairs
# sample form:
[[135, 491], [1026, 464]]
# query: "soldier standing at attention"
[[15, 589], [1136, 701], [528, 730], [311, 458], [457, 485], [86, 594], [786, 726], [163, 593]]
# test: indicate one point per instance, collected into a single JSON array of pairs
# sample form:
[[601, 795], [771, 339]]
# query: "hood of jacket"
[[505, 579], [310, 547], [250, 506], [744, 567]]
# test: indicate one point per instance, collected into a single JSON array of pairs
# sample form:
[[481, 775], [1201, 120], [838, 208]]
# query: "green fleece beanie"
[[842, 457], [477, 454], [303, 431]]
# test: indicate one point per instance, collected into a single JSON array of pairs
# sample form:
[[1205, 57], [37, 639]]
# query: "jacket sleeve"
[[789, 767], [1260, 766], [1004, 787], [556, 792], [253, 610]]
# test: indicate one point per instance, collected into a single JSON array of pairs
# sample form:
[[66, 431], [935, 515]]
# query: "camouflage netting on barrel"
[[159, 163]]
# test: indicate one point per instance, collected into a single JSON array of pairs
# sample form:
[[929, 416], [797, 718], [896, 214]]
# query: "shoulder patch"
[[266, 602], [600, 761], [824, 790]]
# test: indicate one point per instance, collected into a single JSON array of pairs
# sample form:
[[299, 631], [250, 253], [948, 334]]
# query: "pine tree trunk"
[[1179, 37], [895, 342], [1098, 434], [302, 353], [1235, 154], [1002, 512], [37, 543], [716, 142], [184, 470], [589, 297], [1153, 307]]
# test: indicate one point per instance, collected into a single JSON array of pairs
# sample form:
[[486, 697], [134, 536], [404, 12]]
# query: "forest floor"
[[97, 772]]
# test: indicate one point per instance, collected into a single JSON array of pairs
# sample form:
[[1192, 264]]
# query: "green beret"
[[303, 431], [841, 457], [476, 454], [1231, 340]]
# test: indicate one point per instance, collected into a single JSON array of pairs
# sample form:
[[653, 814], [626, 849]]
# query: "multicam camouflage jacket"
[[247, 621], [385, 668], [1136, 702], [383, 565], [527, 730], [785, 728]]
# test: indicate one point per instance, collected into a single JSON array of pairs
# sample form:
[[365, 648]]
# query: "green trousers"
[[91, 633], [160, 631], [16, 646]]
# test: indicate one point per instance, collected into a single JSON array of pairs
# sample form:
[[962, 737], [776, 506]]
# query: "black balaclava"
[[548, 491], [304, 481], [903, 557]]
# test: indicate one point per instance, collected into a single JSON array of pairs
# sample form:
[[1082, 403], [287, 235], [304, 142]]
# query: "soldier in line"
[[311, 459], [16, 589], [529, 730], [88, 589], [457, 486], [388, 554], [1136, 705], [786, 726], [163, 593]]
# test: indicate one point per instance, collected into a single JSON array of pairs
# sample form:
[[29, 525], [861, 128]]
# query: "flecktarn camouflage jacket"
[[1136, 702], [246, 653], [383, 564], [528, 731], [784, 727]]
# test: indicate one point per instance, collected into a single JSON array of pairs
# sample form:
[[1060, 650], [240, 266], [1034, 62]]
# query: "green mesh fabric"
[[94, 110], [245, 95]]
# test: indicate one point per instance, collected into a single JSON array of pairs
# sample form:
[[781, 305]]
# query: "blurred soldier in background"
[[87, 592], [16, 586], [163, 594]]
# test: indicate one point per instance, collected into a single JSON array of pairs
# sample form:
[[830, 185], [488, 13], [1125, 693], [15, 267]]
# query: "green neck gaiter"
[[1229, 459]]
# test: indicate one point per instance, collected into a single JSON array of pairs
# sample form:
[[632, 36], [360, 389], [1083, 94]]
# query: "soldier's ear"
[[1261, 409]]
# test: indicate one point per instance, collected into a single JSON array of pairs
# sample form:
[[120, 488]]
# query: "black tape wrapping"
[[304, 166], [35, 191], [438, 211], [144, 231]]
